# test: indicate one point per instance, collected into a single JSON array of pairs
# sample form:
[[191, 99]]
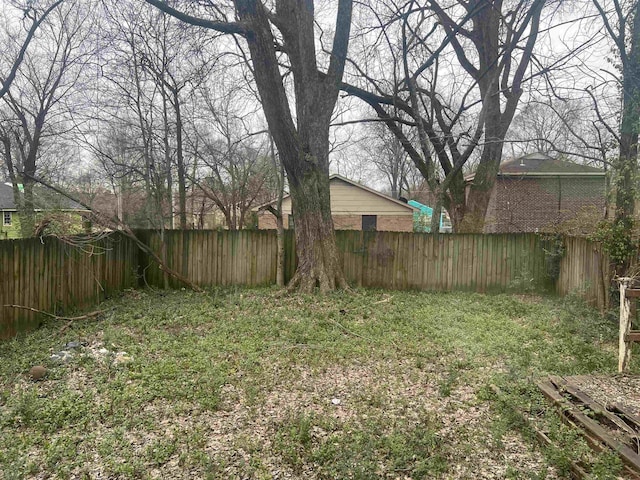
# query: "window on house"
[[7, 219], [369, 223], [290, 222]]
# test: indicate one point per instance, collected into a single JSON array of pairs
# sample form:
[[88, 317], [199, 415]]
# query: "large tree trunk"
[[303, 148], [626, 170], [318, 257], [26, 209], [27, 206], [626, 166], [475, 217], [488, 25], [625, 177]]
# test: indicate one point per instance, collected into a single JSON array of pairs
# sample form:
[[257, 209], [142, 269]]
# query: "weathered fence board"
[[585, 270], [53, 276]]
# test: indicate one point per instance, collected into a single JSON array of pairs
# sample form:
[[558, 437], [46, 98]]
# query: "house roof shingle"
[[6, 197], [539, 163]]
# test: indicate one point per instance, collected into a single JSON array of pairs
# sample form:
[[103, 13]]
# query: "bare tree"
[[34, 106], [174, 58], [561, 126], [229, 168], [150, 70], [303, 140], [235, 176], [390, 159], [458, 75], [36, 18], [622, 23]]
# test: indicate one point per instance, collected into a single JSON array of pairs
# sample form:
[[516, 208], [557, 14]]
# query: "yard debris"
[[104, 355], [577, 469], [63, 356], [335, 401], [122, 358], [96, 351], [58, 317], [37, 372], [67, 353], [384, 300]]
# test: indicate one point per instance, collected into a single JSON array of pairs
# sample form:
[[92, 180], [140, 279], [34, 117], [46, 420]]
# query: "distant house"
[[353, 207], [537, 193], [51, 208]]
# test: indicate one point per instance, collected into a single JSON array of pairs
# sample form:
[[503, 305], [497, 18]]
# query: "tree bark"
[[318, 256], [27, 205], [626, 170]]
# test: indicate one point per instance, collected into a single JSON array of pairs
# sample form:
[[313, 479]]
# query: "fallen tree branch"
[[116, 224], [58, 317], [384, 300]]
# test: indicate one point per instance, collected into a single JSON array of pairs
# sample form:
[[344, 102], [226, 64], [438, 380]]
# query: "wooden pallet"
[[576, 469], [603, 427]]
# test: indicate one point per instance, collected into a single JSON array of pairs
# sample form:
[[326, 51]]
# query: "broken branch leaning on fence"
[[117, 224]]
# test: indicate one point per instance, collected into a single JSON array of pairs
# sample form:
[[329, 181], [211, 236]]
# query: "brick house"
[[537, 193], [353, 207]]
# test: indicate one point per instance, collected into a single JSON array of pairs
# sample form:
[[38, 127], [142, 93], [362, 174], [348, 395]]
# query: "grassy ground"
[[252, 384]]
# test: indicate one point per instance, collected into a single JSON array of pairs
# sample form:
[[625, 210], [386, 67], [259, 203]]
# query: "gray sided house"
[[353, 207], [537, 193], [59, 214]]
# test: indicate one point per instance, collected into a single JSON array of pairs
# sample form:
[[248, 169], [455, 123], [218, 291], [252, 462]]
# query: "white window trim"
[[4, 219]]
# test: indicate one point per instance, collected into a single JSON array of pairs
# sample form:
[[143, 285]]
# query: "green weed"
[[234, 363]]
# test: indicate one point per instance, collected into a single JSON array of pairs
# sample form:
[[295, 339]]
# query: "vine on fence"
[[617, 241], [554, 249]]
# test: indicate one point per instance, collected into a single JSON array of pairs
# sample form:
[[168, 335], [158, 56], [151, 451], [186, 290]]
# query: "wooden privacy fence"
[[370, 259], [54, 276], [443, 262], [206, 257]]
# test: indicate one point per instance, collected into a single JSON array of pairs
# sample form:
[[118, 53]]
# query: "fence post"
[[624, 346]]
